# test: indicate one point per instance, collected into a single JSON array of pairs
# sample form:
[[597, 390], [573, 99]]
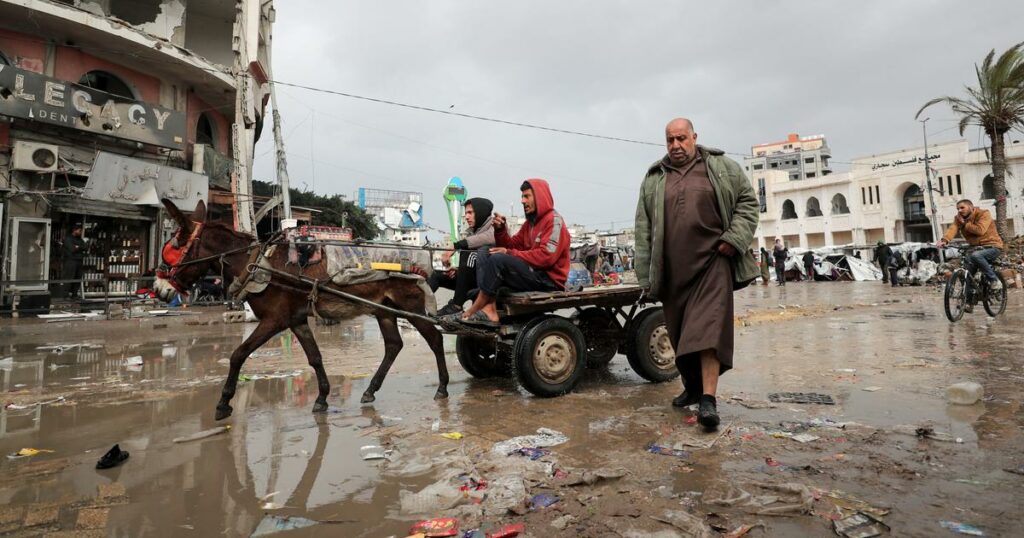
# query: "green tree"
[[334, 209], [997, 106]]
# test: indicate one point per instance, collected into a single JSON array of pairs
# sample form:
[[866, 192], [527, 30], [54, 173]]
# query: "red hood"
[[541, 197]]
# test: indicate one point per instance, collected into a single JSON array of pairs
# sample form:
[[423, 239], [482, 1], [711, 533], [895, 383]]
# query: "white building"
[[884, 197]]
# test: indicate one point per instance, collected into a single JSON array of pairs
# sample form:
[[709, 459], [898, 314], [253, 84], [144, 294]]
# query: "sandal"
[[481, 319]]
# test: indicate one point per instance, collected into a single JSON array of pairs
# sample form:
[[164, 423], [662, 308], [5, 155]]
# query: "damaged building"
[[107, 106]]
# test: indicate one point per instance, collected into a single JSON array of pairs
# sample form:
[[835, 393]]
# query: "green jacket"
[[736, 203]]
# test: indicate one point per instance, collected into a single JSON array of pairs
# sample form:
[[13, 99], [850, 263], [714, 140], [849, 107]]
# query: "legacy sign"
[[28, 95]]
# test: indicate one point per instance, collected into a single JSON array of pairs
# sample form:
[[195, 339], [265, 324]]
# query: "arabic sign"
[[28, 95], [120, 179], [900, 162]]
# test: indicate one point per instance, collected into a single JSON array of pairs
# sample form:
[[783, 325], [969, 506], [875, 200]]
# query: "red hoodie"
[[543, 240]]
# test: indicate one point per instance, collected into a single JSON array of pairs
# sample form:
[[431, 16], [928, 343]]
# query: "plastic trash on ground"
[[28, 453], [543, 500], [962, 528], [860, 525], [691, 525], [454, 436], [666, 451], [373, 452], [545, 437], [966, 393], [202, 435], [442, 526], [274, 524], [133, 361]]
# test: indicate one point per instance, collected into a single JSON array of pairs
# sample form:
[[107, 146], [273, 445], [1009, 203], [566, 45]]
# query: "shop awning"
[[84, 206]]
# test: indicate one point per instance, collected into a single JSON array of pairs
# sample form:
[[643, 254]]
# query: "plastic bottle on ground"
[[966, 393]]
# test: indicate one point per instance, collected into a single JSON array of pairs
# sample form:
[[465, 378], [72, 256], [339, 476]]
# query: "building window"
[[107, 82], [788, 210], [775, 165], [959, 189], [811, 174], [758, 167], [949, 184], [813, 207], [863, 196], [204, 131], [913, 204], [762, 196], [809, 160], [839, 206], [988, 188], [878, 195], [871, 196]]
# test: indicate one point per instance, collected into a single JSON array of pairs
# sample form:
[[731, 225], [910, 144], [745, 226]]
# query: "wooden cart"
[[547, 339]]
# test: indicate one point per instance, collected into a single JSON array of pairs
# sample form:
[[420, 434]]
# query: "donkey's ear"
[[199, 215], [176, 214]]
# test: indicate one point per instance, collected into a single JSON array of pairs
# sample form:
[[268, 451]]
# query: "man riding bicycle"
[[978, 228]]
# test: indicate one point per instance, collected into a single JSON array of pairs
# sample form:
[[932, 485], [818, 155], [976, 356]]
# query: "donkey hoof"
[[319, 407], [223, 412], [367, 397], [441, 394]]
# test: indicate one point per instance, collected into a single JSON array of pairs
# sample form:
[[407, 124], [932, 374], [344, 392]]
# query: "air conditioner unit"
[[35, 157]]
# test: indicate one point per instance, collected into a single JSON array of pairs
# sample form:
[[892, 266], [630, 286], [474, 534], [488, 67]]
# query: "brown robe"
[[697, 296]]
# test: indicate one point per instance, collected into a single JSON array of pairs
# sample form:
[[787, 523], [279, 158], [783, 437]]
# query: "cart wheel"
[[596, 324], [481, 358], [649, 349], [549, 356]]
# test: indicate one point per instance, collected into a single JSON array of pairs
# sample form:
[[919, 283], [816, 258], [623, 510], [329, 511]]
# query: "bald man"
[[697, 212]]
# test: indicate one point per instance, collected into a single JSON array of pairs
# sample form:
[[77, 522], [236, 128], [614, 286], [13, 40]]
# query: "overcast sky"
[[745, 73]]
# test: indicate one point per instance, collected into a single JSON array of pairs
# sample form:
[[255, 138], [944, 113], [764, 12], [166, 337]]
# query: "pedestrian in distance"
[[696, 213], [882, 254], [780, 253], [766, 263], [808, 259]]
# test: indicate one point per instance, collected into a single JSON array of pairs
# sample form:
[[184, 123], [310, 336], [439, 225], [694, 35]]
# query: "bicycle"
[[966, 287]]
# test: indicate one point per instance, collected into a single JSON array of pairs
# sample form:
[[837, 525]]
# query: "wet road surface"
[[280, 460]]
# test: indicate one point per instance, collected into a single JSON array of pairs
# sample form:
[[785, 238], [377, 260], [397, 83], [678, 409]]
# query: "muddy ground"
[[891, 445]]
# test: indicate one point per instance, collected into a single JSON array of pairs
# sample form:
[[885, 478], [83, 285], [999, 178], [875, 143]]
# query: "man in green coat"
[[697, 213]]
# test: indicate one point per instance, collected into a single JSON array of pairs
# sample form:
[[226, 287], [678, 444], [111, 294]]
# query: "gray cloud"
[[745, 73]]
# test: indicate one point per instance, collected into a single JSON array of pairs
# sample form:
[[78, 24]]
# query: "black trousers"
[[884, 264], [809, 269], [496, 271], [463, 281], [780, 273], [71, 269]]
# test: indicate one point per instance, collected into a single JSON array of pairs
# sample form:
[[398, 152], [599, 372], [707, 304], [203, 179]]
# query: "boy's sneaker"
[[996, 285], [449, 309]]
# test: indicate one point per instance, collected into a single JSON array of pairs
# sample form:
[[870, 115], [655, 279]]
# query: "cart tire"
[[649, 350], [549, 356], [482, 358], [595, 324]]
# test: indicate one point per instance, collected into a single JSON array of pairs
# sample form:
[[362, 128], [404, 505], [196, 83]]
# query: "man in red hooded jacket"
[[535, 259]]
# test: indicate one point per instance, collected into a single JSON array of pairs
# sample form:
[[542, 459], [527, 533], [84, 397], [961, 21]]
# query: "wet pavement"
[[891, 442]]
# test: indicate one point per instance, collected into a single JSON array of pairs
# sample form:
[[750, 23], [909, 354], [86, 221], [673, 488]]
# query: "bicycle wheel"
[[995, 301], [955, 299]]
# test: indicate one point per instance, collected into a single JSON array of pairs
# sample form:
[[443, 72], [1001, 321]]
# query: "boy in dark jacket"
[[479, 234]]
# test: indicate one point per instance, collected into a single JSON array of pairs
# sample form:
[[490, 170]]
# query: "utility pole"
[[282, 160], [931, 195]]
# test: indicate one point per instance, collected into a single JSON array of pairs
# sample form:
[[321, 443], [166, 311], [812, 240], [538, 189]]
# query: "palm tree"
[[997, 106]]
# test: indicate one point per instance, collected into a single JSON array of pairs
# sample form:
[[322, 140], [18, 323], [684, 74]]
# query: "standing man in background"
[[697, 213], [883, 253], [73, 251], [780, 253]]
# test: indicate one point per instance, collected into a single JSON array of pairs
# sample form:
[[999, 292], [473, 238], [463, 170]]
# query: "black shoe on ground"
[[686, 399], [449, 309], [114, 457], [707, 414]]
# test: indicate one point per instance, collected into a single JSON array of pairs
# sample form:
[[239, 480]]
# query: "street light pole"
[[928, 183]]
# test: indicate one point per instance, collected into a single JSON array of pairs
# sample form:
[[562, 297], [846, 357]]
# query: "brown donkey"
[[201, 247]]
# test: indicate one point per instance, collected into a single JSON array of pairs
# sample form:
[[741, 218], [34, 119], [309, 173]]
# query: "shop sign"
[[124, 180], [31, 96]]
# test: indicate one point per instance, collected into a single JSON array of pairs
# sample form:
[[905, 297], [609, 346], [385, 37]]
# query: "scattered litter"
[[926, 432], [962, 528], [666, 451], [591, 477], [805, 438], [473, 484], [202, 435], [275, 352], [751, 404], [693, 526], [859, 525], [454, 436], [133, 361], [966, 393], [845, 370], [849, 502], [275, 524], [871, 389], [543, 500], [533, 453], [791, 498], [545, 437], [508, 531], [742, 530], [442, 526], [114, 457], [801, 398], [16, 407], [563, 522], [436, 425], [373, 452], [691, 420], [694, 438], [27, 453]]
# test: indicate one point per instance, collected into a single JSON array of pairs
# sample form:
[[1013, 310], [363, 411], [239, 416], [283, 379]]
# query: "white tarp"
[[124, 180], [862, 270]]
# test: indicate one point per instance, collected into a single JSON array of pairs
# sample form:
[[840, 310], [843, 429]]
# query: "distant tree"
[[333, 209], [997, 106]]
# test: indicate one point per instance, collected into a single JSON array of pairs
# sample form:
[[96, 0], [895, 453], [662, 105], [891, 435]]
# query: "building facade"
[[107, 106], [399, 214], [884, 197]]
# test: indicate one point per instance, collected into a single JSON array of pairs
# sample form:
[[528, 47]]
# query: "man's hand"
[[446, 257], [498, 250], [727, 250], [960, 220], [498, 222], [941, 243], [450, 273]]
